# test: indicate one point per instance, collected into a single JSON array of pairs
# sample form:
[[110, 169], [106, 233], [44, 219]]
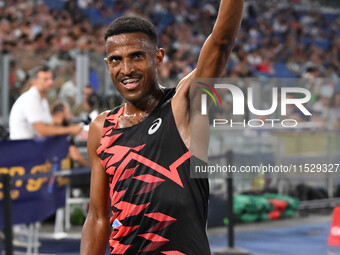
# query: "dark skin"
[[133, 56]]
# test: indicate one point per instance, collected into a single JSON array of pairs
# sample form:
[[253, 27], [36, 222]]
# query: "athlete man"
[[139, 152]]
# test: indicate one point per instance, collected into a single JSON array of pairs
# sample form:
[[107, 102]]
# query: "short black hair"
[[57, 107], [131, 24], [42, 68]]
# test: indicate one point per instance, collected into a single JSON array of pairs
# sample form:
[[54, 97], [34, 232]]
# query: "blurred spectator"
[[254, 59], [335, 109], [62, 116], [322, 106], [68, 92], [30, 115], [321, 109], [84, 109]]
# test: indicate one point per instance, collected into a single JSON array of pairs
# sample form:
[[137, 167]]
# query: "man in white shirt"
[[30, 115]]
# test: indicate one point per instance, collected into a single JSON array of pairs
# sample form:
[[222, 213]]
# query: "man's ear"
[[159, 56], [107, 63]]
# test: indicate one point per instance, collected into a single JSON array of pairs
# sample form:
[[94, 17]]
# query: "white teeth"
[[130, 80]]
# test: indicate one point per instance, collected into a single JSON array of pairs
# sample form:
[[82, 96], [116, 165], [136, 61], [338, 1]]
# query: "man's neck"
[[146, 105], [138, 111], [41, 93]]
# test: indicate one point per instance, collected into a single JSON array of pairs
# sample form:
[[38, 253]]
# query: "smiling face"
[[132, 60]]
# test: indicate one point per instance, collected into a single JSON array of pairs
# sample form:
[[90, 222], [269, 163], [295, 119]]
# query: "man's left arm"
[[218, 46], [211, 64]]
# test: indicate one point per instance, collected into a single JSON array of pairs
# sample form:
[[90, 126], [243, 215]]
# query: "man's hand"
[[211, 64]]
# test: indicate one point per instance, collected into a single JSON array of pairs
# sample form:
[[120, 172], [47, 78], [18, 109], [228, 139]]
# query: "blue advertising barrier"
[[35, 192]]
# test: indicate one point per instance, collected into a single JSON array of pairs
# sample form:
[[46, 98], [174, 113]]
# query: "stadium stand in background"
[[278, 38], [289, 38]]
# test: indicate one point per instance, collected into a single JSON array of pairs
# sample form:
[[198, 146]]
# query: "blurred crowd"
[[287, 38]]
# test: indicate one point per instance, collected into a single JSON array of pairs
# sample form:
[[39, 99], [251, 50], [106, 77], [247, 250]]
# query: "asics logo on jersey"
[[155, 126]]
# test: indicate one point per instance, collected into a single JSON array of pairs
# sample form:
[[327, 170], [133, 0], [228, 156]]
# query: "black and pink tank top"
[[156, 207]]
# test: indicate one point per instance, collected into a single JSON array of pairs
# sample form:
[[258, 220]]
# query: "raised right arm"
[[97, 228]]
